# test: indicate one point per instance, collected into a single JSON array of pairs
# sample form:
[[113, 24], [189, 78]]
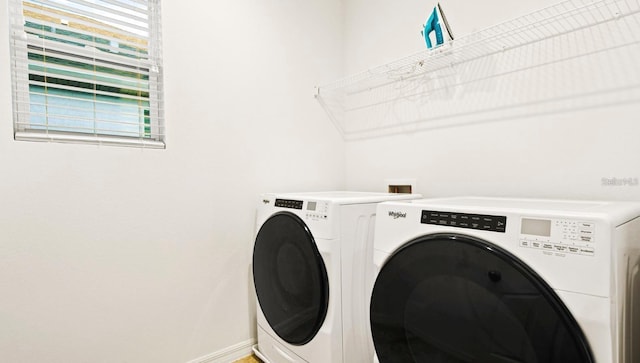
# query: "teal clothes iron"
[[434, 25]]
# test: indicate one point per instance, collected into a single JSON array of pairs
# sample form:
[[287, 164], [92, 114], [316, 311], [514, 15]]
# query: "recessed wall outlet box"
[[405, 186]]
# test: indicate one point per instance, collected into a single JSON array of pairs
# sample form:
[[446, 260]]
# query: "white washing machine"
[[506, 280], [309, 264]]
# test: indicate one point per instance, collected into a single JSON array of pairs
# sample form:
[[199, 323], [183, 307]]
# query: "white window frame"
[[33, 112]]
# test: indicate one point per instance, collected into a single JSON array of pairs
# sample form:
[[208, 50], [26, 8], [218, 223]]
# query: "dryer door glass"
[[290, 278], [457, 299]]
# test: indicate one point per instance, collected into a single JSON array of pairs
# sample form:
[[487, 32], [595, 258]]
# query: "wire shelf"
[[573, 55]]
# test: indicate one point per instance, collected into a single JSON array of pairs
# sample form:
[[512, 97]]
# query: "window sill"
[[88, 139]]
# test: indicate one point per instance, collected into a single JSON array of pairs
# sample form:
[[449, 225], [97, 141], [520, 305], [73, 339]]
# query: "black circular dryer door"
[[290, 278], [457, 299]]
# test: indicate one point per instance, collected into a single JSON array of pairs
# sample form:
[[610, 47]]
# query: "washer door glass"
[[454, 299], [290, 278]]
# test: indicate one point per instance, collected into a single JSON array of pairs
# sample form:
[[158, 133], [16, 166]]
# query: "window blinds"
[[87, 71]]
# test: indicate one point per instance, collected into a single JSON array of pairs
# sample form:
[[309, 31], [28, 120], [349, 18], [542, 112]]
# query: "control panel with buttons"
[[317, 210], [289, 203], [464, 220], [558, 236]]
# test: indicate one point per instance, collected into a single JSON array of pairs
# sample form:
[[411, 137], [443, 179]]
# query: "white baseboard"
[[229, 354]]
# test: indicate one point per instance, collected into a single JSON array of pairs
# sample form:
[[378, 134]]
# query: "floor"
[[249, 359]]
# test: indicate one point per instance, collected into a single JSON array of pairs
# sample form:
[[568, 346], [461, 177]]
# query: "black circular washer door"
[[448, 298], [290, 278]]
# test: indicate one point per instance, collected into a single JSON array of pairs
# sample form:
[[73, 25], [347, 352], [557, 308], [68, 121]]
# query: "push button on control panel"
[[585, 231]]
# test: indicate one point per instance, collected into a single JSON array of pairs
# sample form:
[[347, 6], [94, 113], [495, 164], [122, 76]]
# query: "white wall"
[[550, 156], [126, 255]]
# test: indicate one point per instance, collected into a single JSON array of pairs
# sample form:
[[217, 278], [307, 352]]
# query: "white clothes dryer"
[[506, 280], [309, 264]]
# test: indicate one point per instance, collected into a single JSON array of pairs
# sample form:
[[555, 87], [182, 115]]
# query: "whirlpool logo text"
[[397, 215]]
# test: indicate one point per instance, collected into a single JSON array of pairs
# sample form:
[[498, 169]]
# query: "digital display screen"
[[311, 205], [536, 227]]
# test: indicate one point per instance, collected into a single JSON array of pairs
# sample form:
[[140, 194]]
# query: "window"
[[87, 71]]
